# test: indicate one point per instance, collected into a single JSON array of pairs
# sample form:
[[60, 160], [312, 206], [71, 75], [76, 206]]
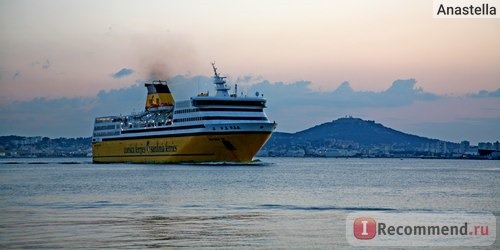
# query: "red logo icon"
[[365, 228]]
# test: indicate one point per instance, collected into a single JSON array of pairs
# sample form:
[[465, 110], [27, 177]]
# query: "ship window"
[[229, 103], [104, 127], [184, 111]]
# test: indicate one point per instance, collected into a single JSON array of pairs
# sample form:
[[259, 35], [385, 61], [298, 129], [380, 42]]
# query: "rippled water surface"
[[278, 202]]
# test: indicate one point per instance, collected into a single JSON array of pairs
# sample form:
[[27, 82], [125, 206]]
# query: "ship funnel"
[[158, 95]]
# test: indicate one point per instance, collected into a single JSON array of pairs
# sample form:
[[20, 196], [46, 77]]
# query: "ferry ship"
[[220, 128]]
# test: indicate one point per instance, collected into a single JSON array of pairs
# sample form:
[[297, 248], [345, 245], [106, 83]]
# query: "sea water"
[[272, 203]]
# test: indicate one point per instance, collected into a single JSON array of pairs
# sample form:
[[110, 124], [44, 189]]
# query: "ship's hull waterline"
[[214, 147]]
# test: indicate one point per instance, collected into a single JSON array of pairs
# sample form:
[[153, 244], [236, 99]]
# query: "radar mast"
[[220, 83]]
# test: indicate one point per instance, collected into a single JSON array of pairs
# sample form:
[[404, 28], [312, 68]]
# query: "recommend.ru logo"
[[420, 229], [364, 228]]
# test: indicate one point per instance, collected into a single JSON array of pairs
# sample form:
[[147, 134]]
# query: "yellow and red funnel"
[[158, 95]]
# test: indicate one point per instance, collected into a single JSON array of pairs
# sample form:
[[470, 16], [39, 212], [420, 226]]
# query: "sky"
[[64, 62]]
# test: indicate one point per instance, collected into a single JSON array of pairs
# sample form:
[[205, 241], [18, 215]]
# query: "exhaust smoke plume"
[[158, 71], [163, 55]]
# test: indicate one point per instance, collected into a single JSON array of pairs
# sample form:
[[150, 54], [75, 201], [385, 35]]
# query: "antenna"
[[215, 69]]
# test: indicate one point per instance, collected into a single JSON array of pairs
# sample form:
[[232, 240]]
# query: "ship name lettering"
[[161, 148], [172, 148], [140, 150], [150, 149], [128, 150], [134, 149]]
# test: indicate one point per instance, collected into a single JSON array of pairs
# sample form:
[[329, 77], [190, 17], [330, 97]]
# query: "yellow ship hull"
[[230, 147]]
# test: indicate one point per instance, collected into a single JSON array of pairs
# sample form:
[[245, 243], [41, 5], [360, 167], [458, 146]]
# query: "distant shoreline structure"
[[18, 146]]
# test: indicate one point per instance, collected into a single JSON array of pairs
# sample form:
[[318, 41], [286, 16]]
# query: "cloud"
[[486, 94], [294, 106], [484, 129], [122, 73], [68, 117], [46, 64], [16, 75], [184, 87], [400, 93], [41, 116], [403, 92], [248, 80], [72, 117]]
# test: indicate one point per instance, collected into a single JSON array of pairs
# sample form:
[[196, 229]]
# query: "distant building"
[[485, 145], [27, 141], [464, 146]]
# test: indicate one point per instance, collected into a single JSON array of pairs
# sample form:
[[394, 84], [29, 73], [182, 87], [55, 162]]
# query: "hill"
[[362, 132], [354, 134]]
